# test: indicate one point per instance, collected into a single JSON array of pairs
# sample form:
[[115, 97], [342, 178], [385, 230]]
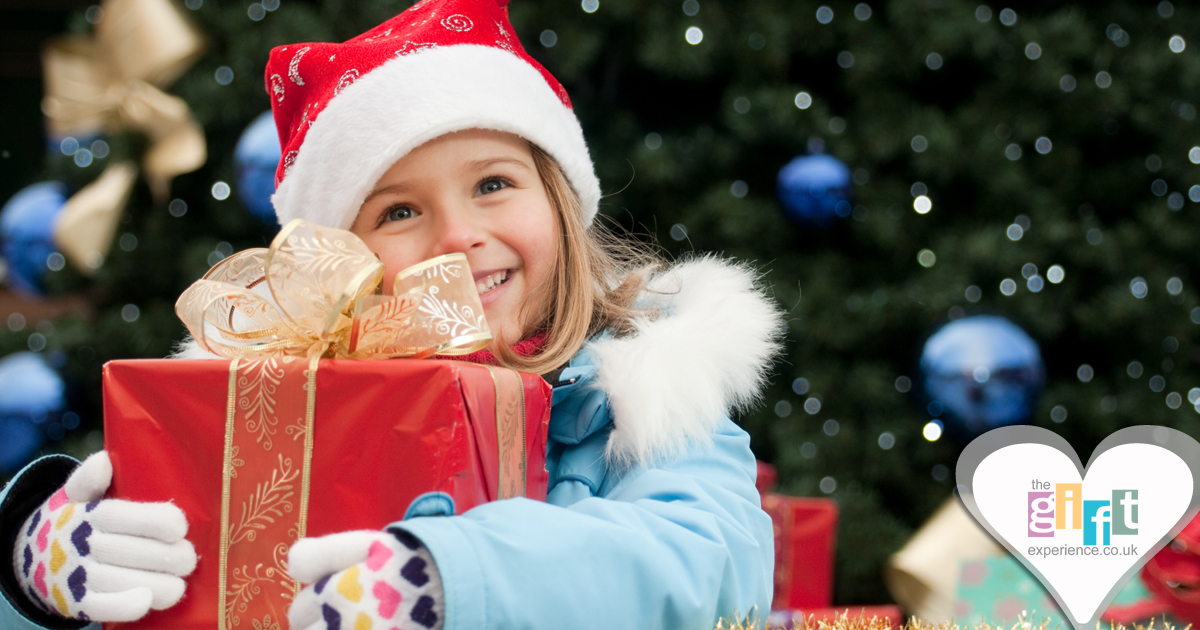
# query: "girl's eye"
[[398, 213], [489, 186]]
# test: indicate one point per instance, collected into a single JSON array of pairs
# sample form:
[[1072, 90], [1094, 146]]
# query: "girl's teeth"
[[489, 283]]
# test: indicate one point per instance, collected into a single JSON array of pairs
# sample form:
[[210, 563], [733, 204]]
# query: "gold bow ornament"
[[84, 231], [113, 81], [315, 293]]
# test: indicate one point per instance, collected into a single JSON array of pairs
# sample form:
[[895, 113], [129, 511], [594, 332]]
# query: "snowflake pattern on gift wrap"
[[294, 66]]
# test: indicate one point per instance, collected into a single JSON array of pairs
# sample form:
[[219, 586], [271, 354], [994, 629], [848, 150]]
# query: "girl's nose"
[[459, 230]]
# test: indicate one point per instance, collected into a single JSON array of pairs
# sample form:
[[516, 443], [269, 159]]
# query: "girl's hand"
[[85, 557], [365, 580]]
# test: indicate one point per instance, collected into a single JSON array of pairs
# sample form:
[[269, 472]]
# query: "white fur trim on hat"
[[413, 99]]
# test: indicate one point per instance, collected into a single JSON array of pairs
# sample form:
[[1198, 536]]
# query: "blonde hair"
[[597, 278]]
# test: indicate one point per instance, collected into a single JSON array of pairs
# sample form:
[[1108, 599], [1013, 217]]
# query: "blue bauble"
[[984, 372], [30, 394], [815, 189], [255, 160], [27, 231]]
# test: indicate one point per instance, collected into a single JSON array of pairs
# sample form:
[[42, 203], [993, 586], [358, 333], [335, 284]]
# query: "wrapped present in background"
[[805, 541], [234, 450], [1173, 575], [952, 570], [923, 575], [998, 590], [805, 544]]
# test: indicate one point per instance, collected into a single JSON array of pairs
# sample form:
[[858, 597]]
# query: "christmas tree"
[[1033, 161]]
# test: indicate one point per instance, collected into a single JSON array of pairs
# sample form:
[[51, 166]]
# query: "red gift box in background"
[[385, 432], [1173, 576], [805, 544], [805, 540]]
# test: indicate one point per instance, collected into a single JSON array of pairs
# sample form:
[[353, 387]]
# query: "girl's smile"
[[477, 192], [490, 284]]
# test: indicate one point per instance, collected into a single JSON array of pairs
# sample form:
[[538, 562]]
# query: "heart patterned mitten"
[[85, 557], [365, 580]]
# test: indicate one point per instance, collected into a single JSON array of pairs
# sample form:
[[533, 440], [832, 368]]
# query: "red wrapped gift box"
[[379, 434], [805, 541]]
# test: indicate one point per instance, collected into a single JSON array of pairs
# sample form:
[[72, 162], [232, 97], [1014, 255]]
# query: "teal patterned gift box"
[[998, 590]]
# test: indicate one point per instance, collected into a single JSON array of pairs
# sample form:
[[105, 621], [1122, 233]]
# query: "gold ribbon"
[[113, 81], [510, 433], [270, 407], [269, 425], [84, 231], [314, 293]]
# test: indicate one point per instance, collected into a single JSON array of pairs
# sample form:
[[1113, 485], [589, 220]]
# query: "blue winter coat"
[[652, 518]]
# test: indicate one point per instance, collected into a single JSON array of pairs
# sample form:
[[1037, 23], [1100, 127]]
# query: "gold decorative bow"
[[112, 81], [84, 231], [314, 293]]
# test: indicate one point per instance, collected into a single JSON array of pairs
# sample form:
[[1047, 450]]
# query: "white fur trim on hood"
[[673, 382]]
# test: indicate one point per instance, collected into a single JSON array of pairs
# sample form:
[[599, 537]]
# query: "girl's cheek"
[[393, 264]]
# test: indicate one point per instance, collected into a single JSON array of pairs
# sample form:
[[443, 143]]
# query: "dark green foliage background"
[[859, 304]]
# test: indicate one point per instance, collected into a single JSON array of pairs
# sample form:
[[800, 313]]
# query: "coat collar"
[[671, 382]]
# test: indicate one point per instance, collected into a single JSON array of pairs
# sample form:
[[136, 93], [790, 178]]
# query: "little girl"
[[435, 133]]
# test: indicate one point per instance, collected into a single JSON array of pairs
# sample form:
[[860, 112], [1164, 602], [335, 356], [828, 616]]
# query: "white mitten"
[[365, 580], [85, 557]]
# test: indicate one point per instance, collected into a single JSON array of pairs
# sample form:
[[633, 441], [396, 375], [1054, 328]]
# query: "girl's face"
[[477, 192]]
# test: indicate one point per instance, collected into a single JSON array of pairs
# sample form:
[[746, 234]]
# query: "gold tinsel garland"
[[847, 622]]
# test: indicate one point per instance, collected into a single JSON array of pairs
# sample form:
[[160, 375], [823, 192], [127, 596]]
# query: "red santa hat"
[[346, 112]]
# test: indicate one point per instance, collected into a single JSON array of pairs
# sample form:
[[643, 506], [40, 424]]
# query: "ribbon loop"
[[314, 293], [113, 81]]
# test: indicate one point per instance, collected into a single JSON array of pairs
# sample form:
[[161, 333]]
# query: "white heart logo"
[[1083, 534]]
